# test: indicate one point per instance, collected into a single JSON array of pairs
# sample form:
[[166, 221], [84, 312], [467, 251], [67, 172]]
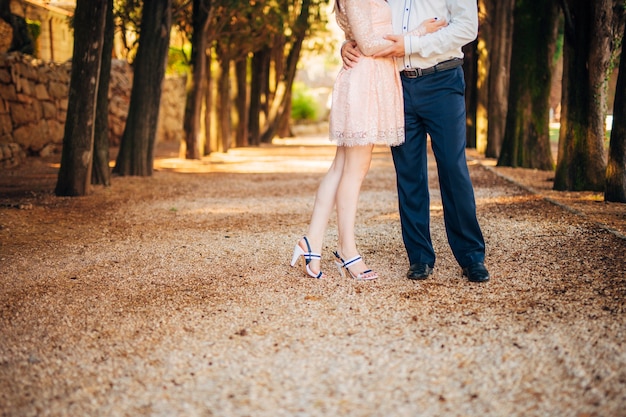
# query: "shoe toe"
[[476, 272], [419, 271]]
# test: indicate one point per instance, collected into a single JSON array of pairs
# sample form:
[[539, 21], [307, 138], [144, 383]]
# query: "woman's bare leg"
[[355, 166], [323, 206]]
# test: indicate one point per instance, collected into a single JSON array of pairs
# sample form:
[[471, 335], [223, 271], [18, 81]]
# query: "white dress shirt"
[[433, 48]]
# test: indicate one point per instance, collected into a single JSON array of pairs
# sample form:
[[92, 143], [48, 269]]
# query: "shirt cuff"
[[411, 43]]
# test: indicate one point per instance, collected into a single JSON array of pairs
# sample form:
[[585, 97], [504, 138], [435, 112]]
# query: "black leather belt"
[[442, 66]]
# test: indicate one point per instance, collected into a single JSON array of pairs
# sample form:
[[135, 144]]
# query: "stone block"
[[118, 106], [11, 155], [5, 76], [62, 104], [58, 90], [56, 131], [43, 74], [38, 110], [41, 92], [6, 139], [25, 86], [6, 125], [24, 98], [49, 110], [23, 114], [32, 136], [4, 106], [116, 126], [50, 149], [7, 91], [61, 116]]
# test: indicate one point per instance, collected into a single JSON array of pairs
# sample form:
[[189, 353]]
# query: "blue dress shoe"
[[476, 272], [419, 271]]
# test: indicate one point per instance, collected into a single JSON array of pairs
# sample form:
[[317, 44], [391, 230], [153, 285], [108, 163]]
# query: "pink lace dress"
[[367, 105]]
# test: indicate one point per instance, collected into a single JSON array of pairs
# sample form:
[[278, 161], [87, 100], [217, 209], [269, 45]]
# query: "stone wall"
[[33, 106]]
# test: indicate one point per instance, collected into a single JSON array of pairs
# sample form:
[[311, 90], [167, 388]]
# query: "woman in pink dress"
[[367, 109]]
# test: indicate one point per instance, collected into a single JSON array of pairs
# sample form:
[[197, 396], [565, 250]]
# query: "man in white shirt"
[[434, 88]]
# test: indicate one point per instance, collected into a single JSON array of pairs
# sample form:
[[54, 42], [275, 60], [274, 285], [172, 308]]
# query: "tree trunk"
[[615, 189], [101, 173], [481, 77], [208, 105], [75, 173], [241, 72], [499, 73], [258, 86], [224, 126], [287, 76], [526, 141], [284, 122], [581, 161], [21, 41], [195, 86], [136, 154], [470, 70]]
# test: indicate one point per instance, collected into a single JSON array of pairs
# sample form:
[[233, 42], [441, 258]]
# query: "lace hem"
[[390, 137]]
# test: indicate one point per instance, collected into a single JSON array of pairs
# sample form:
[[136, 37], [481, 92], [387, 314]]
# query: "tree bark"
[[208, 105], [195, 86], [283, 129], [224, 126], [499, 73], [481, 75], [21, 41], [76, 158], [615, 189], [586, 55], [470, 71], [258, 86], [241, 72], [136, 154], [526, 141], [101, 173]]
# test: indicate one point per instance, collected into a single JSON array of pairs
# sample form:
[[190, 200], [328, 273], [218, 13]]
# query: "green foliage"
[[127, 15], [303, 104], [560, 38], [178, 60], [34, 30]]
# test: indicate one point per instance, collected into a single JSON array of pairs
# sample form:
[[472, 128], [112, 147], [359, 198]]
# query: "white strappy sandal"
[[366, 275], [307, 257]]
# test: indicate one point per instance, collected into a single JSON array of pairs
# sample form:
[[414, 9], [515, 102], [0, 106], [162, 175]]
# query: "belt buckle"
[[412, 73]]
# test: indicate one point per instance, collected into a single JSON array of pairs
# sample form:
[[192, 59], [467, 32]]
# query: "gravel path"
[[172, 295]]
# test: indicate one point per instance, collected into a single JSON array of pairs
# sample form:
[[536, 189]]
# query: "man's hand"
[[350, 54], [396, 49]]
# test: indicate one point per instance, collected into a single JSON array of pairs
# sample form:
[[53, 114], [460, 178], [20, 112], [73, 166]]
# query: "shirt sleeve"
[[461, 30], [359, 14]]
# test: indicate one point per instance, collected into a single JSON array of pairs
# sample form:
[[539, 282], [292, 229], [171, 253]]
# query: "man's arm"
[[462, 29], [397, 48]]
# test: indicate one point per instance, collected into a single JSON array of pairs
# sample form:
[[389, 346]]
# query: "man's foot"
[[419, 271], [476, 272]]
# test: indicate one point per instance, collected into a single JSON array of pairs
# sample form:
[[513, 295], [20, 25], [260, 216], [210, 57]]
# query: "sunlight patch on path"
[[295, 155]]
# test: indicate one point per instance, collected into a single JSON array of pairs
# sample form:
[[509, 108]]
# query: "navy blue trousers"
[[435, 104]]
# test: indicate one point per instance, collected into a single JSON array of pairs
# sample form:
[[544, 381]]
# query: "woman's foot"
[[355, 267], [311, 261]]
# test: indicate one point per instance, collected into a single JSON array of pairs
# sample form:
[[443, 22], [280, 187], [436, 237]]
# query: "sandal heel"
[[297, 252]]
